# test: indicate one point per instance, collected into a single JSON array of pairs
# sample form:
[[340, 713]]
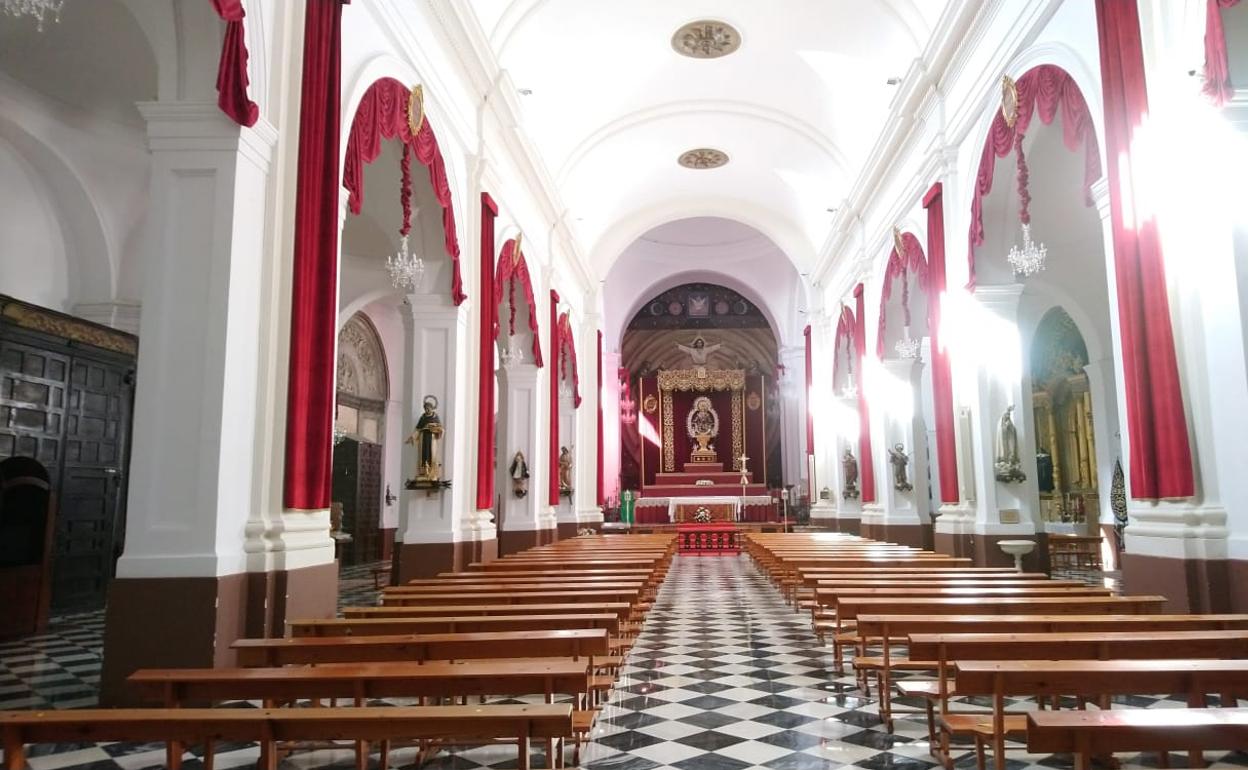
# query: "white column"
[[518, 416], [191, 485], [793, 417], [894, 418], [822, 511], [586, 511], [437, 333]]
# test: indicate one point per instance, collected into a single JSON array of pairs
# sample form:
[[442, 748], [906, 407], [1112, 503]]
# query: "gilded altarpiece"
[[678, 390]]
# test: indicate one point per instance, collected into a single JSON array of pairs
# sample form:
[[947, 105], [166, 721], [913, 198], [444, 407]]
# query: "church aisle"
[[726, 676]]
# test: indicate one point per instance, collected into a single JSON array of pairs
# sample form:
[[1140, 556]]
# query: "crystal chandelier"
[[1028, 260], [406, 271], [907, 346], [628, 408], [39, 9], [565, 388], [340, 435], [850, 390]]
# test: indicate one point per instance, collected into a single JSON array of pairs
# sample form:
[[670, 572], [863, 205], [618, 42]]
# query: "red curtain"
[[810, 415], [866, 465], [756, 429], [900, 266], [650, 450], [682, 444], [553, 486], [599, 480], [1161, 460], [314, 289], [1218, 85], [512, 268], [232, 80], [942, 378], [567, 359], [1044, 88], [382, 114], [485, 389]]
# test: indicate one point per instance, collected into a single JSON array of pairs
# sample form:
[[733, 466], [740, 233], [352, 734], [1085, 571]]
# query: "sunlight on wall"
[[843, 414], [978, 338], [894, 395]]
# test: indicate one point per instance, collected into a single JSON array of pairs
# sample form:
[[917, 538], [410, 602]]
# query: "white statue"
[[698, 350]]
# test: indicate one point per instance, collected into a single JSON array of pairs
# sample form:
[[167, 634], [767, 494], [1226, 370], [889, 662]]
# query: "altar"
[[710, 426]]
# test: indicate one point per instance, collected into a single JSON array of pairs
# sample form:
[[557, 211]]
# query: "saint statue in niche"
[[898, 458], [1008, 466], [425, 438], [849, 471], [565, 471], [519, 472], [702, 426], [698, 350]]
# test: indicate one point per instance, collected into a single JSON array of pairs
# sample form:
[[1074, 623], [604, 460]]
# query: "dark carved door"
[[92, 488], [367, 529], [70, 411]]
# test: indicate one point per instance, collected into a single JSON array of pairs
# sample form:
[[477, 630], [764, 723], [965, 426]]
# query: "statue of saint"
[[565, 470], [898, 458], [849, 472], [519, 472], [1008, 466], [335, 518], [703, 426], [424, 437], [698, 350]]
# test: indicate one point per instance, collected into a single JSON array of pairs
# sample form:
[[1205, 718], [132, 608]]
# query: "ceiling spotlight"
[[893, 81], [833, 210], [525, 91]]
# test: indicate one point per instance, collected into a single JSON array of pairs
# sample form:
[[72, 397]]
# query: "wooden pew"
[[938, 651], [1082, 678], [622, 609], [453, 624], [180, 728], [630, 596], [362, 682], [1087, 734], [574, 643]]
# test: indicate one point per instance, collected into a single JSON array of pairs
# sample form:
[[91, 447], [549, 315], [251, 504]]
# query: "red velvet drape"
[[942, 378], [599, 480], [756, 428], [1043, 89], [567, 358], [513, 268], [810, 415], [314, 285], [683, 445], [900, 266], [866, 466], [382, 114], [555, 352], [485, 388], [232, 80], [1161, 460], [1218, 85]]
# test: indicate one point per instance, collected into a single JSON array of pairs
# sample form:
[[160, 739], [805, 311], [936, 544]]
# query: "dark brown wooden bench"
[[180, 728]]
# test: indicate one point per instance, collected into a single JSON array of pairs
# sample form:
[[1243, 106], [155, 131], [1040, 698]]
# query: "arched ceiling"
[[796, 108]]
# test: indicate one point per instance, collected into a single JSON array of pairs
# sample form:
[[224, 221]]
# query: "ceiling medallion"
[[703, 158], [706, 39]]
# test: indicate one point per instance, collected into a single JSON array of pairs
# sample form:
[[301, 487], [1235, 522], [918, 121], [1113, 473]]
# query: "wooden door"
[[90, 526], [34, 387], [367, 525]]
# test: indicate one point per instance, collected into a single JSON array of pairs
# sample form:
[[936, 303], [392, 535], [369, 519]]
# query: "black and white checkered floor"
[[725, 676]]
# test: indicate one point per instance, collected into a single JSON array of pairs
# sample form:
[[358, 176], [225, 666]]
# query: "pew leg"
[[980, 760], [931, 726], [173, 755], [268, 755], [14, 750], [361, 755], [384, 750], [209, 754], [523, 763], [1163, 759]]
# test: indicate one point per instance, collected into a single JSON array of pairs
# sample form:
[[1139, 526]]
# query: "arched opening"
[[1072, 284], [360, 437]]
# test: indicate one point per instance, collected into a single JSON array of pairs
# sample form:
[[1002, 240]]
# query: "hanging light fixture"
[[907, 346], [406, 271], [38, 9], [1030, 258], [512, 354], [628, 405]]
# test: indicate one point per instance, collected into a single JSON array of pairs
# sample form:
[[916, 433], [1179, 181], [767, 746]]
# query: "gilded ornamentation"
[[669, 433], [702, 379], [1009, 100], [650, 404], [416, 109], [706, 39], [29, 317], [703, 158], [899, 243], [738, 430]]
